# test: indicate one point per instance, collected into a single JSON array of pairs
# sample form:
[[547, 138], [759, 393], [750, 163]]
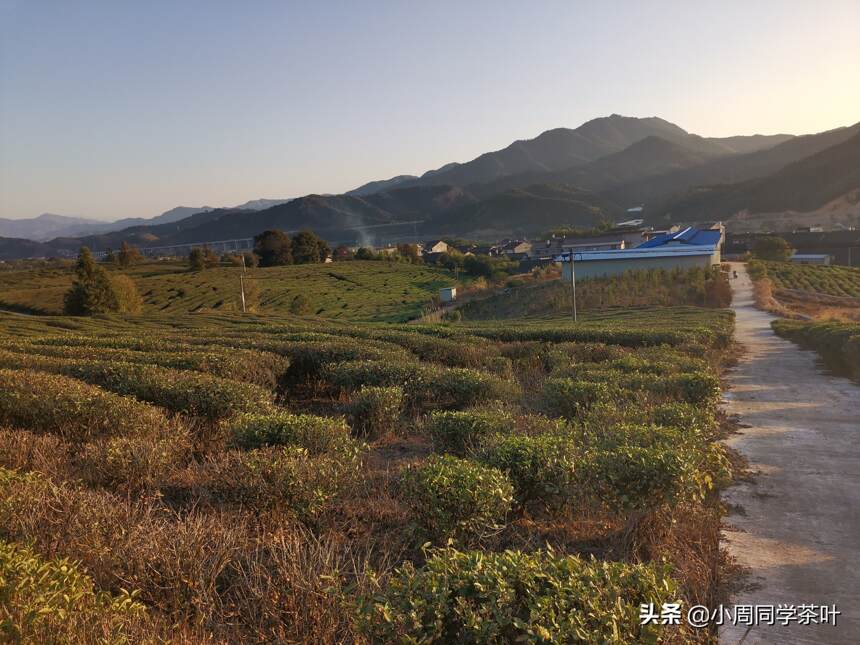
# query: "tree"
[[773, 248], [365, 253], [274, 248], [196, 259], [127, 296], [95, 292], [110, 257], [409, 251], [127, 255], [309, 248]]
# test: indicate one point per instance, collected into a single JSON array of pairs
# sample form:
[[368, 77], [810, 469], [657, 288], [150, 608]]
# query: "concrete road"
[[797, 525]]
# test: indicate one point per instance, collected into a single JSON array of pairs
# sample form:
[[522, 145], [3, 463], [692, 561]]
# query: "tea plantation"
[[830, 280], [358, 290], [273, 478]]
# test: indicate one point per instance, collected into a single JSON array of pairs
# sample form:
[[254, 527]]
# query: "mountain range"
[[563, 177]]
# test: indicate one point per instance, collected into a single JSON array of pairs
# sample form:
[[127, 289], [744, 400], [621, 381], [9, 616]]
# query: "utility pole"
[[242, 287], [573, 285]]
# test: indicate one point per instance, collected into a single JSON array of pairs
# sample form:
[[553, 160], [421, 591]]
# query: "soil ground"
[[796, 522]]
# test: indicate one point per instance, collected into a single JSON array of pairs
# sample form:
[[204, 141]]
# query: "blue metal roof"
[[689, 235]]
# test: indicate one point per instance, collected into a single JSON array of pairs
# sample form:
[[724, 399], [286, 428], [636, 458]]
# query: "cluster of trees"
[[276, 248], [126, 257], [94, 291], [486, 266], [772, 248]]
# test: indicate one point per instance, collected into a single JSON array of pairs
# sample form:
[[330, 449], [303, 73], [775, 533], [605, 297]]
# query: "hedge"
[[376, 410], [461, 432], [187, 392], [543, 597], [425, 386], [540, 467], [456, 499], [44, 402], [318, 435], [53, 601]]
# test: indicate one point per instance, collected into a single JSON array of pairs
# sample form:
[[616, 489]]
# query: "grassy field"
[[358, 290], [267, 477], [830, 280]]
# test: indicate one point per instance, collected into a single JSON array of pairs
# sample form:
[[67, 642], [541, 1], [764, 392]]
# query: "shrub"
[[315, 434], [134, 462], [628, 477], [694, 388], [425, 386], [54, 403], [456, 499], [52, 601], [289, 478], [480, 597], [376, 411], [462, 432], [686, 416], [568, 398], [180, 391], [128, 299], [540, 467]]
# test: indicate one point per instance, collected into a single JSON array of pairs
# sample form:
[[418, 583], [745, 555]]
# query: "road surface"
[[797, 524]]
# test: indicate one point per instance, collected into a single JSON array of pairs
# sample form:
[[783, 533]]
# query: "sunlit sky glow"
[[126, 109]]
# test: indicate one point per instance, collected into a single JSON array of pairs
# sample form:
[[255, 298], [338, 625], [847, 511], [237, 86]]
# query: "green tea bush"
[[838, 343], [425, 386], [317, 435], [260, 368], [53, 403], [540, 467], [135, 462], [628, 477], [686, 416], [540, 597], [457, 499], [462, 432], [53, 601], [287, 478], [376, 411], [187, 392], [566, 397]]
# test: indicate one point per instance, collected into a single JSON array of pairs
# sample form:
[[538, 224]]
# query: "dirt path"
[[797, 525]]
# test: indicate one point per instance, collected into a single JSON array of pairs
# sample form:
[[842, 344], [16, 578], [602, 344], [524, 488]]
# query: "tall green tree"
[[773, 248], [274, 248], [92, 291], [308, 247]]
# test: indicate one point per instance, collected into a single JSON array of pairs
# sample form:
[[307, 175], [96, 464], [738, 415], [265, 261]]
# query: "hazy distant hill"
[[12, 248], [562, 177], [46, 226], [800, 186]]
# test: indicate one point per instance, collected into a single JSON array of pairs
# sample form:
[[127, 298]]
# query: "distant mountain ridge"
[[563, 177]]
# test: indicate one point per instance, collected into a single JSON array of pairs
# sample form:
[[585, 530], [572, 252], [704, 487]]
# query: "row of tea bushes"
[[512, 596], [259, 368], [186, 392], [45, 402], [838, 343], [53, 601], [425, 386]]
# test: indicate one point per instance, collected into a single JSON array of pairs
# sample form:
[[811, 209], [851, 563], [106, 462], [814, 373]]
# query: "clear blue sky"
[[120, 108]]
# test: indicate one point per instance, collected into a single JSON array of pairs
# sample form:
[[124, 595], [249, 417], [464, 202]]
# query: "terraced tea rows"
[[265, 479]]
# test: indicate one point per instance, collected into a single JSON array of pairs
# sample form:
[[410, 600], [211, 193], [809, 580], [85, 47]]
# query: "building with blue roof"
[[684, 249]]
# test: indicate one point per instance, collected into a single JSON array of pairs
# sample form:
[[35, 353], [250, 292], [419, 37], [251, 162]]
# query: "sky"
[[117, 109]]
